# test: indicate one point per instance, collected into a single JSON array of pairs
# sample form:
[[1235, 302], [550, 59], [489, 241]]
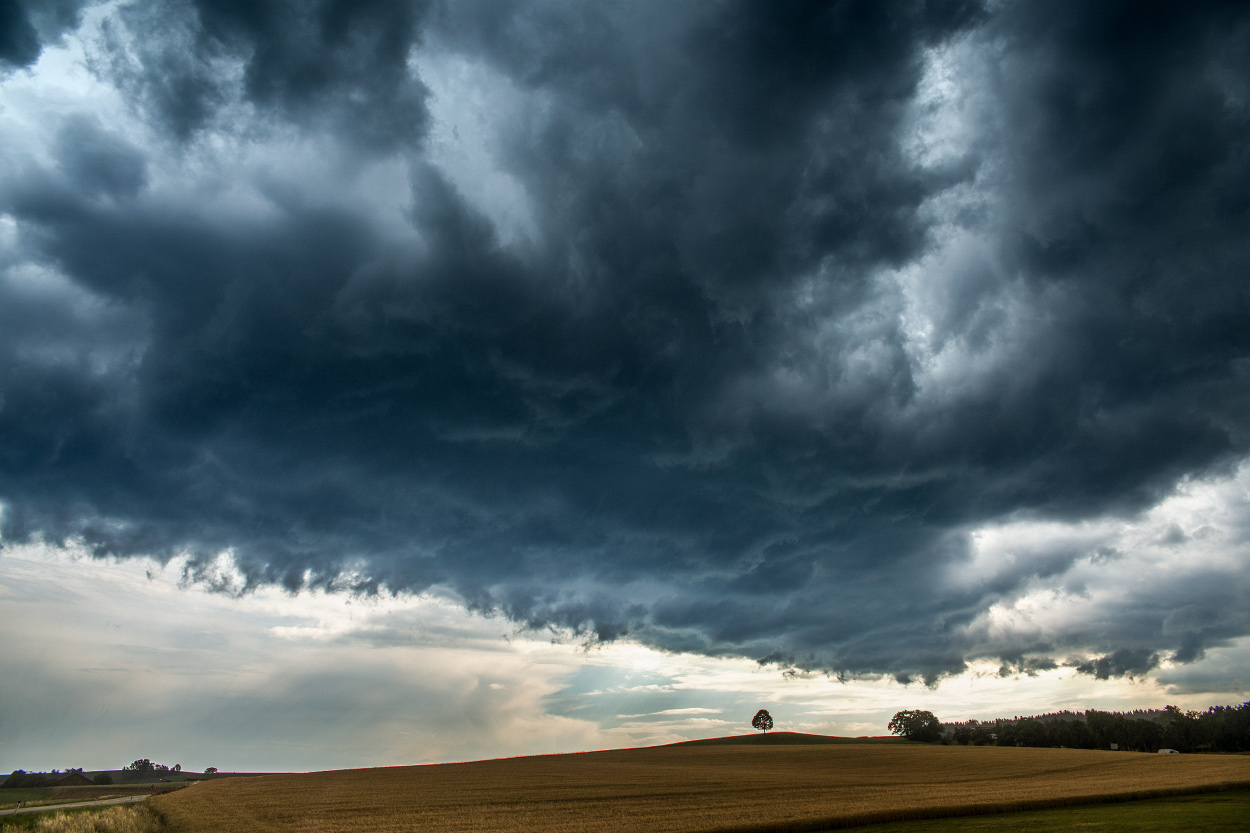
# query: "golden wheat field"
[[676, 789]]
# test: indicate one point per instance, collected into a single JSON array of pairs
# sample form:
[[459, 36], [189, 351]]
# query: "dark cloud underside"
[[694, 405]]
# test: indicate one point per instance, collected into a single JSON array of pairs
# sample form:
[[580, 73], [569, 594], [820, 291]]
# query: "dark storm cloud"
[[1124, 662], [694, 407], [19, 43], [26, 25], [340, 64]]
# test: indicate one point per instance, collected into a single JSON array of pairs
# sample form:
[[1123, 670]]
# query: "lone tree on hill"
[[916, 725], [762, 720]]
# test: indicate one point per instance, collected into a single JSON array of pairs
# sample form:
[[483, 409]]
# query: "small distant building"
[[73, 779], [1168, 752], [1115, 747]]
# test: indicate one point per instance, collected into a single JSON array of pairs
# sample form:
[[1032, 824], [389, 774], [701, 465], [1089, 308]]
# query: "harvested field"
[[674, 789]]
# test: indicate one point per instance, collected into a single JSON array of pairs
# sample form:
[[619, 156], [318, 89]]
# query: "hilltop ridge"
[[783, 739]]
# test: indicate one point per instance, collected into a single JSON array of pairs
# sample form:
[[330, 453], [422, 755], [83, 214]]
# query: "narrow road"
[[102, 802]]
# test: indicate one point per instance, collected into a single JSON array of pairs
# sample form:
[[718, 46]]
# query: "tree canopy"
[[1218, 729], [916, 725], [762, 720]]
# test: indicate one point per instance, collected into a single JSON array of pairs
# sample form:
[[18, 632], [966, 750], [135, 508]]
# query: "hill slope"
[[783, 739], [683, 789]]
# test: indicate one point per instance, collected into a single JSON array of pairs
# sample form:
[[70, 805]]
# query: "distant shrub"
[[102, 780]]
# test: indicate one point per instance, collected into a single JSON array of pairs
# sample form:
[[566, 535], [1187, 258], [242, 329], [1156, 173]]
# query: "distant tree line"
[[144, 765], [1218, 729], [20, 778]]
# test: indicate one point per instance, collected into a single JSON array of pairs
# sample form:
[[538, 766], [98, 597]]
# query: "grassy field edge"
[[968, 810], [130, 818]]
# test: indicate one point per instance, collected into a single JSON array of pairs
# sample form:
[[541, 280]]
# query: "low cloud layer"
[[107, 662], [728, 328]]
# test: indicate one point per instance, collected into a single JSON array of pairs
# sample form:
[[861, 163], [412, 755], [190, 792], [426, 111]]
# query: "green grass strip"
[[1212, 812]]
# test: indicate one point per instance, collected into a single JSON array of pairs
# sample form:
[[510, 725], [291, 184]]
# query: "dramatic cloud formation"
[[106, 662], [867, 337]]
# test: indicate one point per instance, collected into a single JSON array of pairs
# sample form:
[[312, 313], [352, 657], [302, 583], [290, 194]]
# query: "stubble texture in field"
[[682, 789]]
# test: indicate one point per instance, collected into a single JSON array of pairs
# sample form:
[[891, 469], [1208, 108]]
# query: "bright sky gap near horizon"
[[394, 382]]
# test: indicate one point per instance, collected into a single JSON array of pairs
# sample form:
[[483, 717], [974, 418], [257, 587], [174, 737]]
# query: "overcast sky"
[[385, 382]]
